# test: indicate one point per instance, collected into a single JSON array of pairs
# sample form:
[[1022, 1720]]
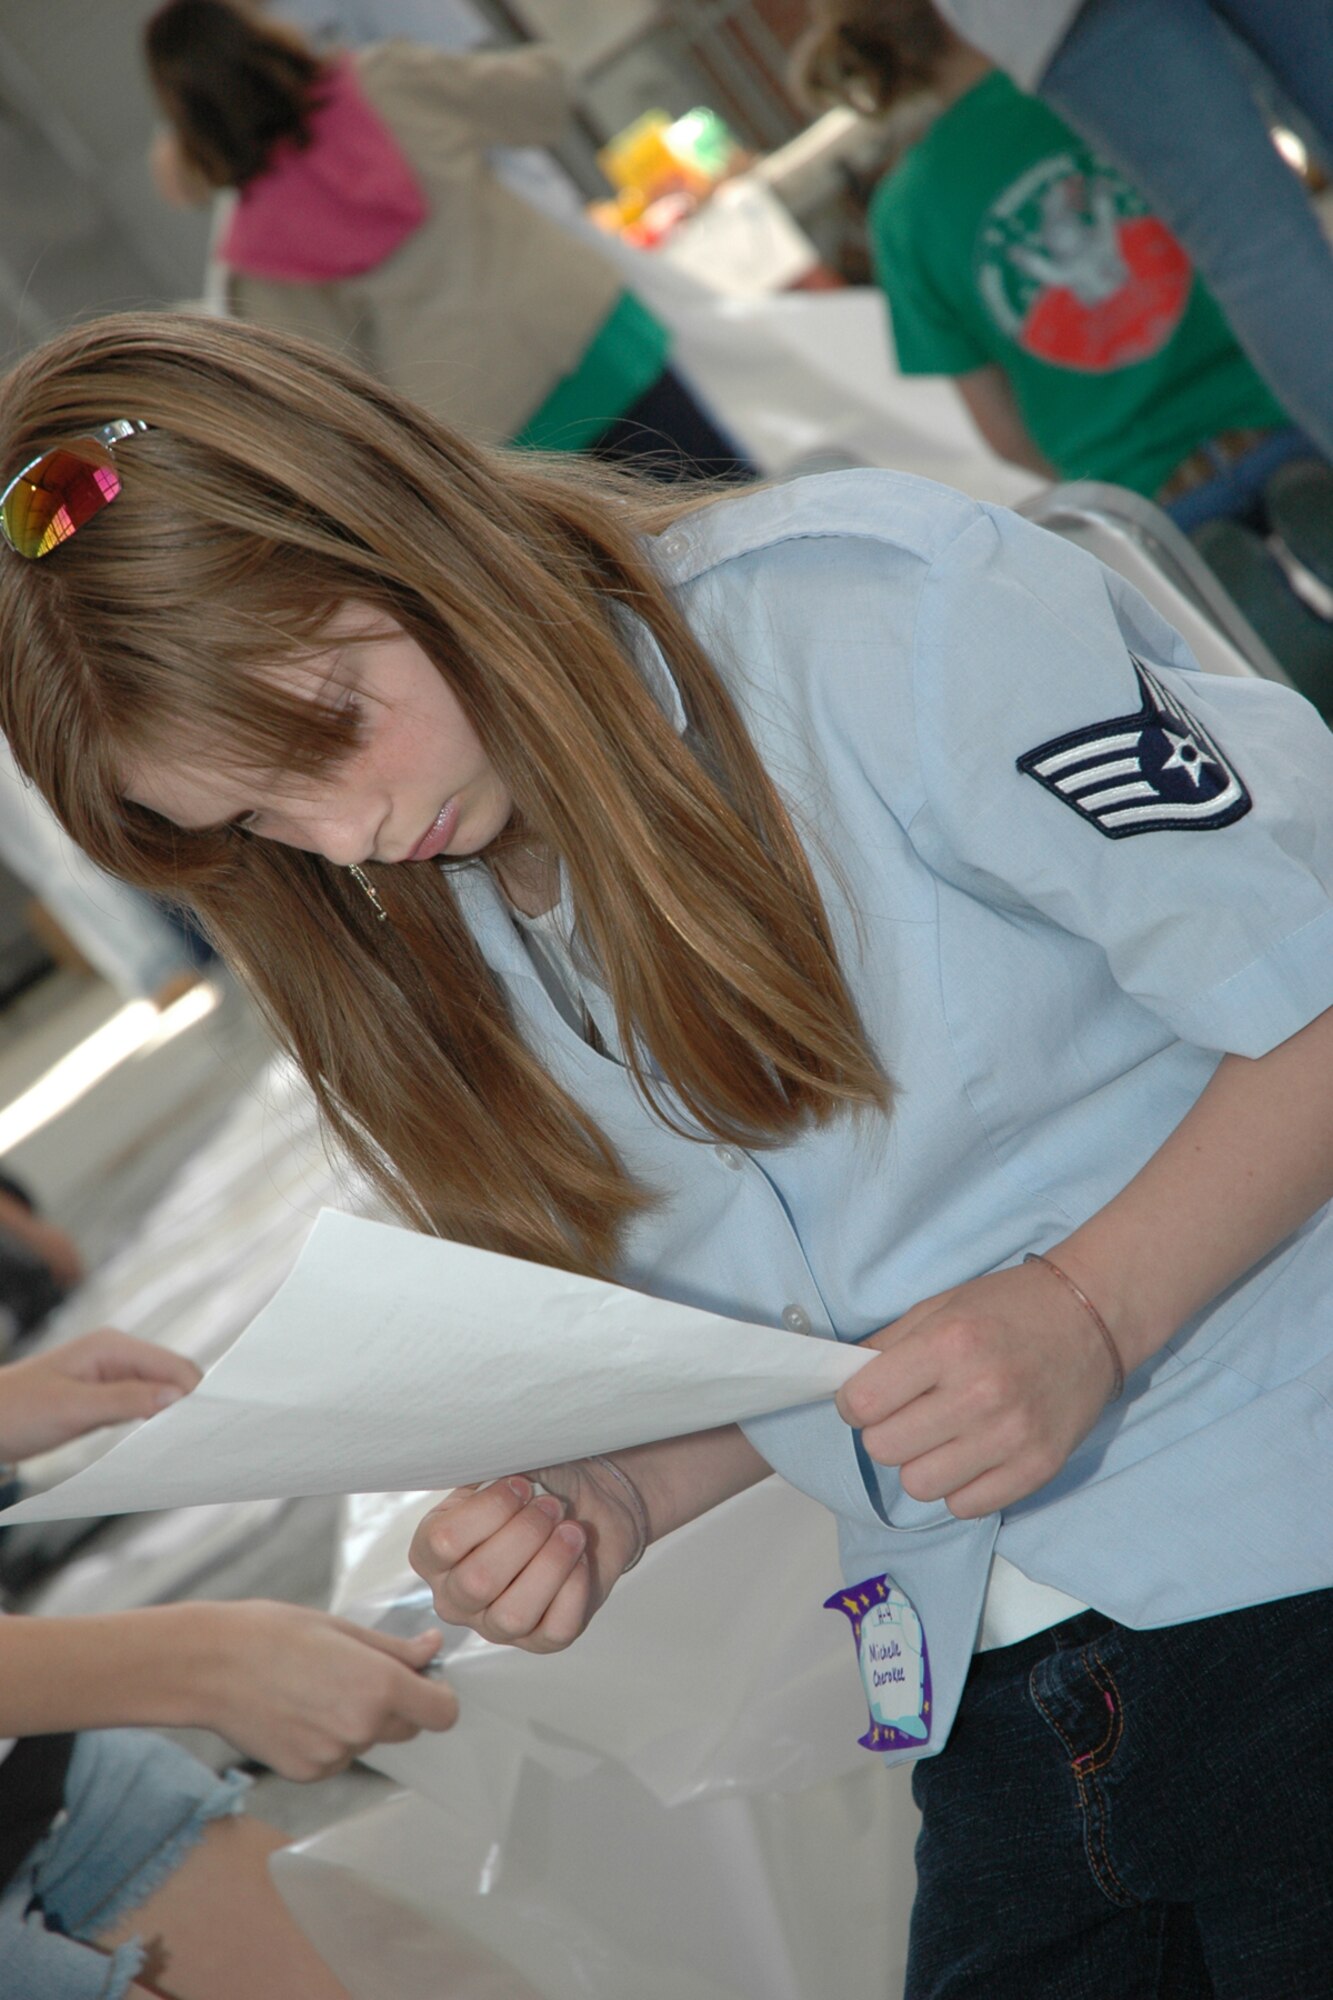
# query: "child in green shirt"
[[1018, 262], [1026, 268]]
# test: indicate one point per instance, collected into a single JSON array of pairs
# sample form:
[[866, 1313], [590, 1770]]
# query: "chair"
[[1137, 540]]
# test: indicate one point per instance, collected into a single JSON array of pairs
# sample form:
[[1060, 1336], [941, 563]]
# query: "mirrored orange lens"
[[52, 498]]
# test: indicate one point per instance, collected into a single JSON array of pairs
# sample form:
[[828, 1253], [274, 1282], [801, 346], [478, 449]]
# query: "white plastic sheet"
[[596, 1892], [677, 1808], [712, 1668]]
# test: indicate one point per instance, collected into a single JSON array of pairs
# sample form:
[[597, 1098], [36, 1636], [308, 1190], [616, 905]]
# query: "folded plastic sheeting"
[[711, 1669], [677, 1808], [597, 1892]]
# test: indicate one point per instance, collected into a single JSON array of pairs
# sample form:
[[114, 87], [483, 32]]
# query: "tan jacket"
[[480, 312]]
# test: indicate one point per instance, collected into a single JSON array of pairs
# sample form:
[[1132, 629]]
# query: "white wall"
[[81, 229]]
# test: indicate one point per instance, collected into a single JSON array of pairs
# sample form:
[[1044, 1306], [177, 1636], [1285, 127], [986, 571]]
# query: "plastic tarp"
[[597, 1892], [675, 1807]]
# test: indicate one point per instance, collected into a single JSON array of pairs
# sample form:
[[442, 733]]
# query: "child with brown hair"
[[368, 216], [844, 906]]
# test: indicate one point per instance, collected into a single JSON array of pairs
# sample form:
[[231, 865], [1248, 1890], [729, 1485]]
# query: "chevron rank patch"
[[1142, 773]]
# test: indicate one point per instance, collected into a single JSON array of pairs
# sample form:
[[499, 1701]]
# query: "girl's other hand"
[[980, 1394], [100, 1378], [522, 1568]]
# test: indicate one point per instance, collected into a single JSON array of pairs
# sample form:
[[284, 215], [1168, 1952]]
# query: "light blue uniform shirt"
[[1050, 959]]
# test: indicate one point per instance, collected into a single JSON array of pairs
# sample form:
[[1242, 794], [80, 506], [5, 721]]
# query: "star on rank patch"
[[1142, 773]]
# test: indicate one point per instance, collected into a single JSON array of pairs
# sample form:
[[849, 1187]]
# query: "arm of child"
[[530, 1570], [99, 1378], [994, 410], [981, 1393], [298, 1690]]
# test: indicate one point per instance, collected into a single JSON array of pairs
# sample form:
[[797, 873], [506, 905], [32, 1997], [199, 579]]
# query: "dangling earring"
[[363, 882]]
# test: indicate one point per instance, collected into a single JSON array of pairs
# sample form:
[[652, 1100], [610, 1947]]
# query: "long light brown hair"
[[276, 485]]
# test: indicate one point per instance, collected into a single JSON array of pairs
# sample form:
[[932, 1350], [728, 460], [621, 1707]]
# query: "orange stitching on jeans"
[[1081, 1770], [1126, 1895], [1096, 1760], [1111, 1739]]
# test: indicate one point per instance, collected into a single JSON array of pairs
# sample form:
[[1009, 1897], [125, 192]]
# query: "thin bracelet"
[[1035, 1257], [637, 1508]]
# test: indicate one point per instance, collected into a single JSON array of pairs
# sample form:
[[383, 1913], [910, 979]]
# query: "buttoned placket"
[[796, 1304]]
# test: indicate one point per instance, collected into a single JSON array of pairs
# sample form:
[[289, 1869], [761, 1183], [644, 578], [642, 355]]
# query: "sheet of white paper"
[[390, 1361]]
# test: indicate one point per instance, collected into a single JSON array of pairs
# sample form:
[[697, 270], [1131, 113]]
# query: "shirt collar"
[[650, 660]]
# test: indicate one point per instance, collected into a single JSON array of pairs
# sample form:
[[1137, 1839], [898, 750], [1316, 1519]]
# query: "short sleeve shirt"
[[1064, 872]]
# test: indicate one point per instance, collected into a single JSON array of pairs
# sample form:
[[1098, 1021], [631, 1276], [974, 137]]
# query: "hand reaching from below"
[[306, 1693]]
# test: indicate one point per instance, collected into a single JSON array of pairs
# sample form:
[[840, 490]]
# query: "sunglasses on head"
[[56, 493]]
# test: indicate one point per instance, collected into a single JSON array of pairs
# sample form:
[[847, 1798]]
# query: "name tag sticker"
[[895, 1664]]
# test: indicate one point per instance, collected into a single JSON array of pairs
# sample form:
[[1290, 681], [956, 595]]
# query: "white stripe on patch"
[[1162, 760]]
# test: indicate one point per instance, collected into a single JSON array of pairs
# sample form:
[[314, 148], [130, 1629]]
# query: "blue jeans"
[[134, 1807], [1237, 492], [1126, 1815], [1156, 86]]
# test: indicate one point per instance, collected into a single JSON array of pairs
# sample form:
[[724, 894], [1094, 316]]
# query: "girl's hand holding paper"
[[980, 1393]]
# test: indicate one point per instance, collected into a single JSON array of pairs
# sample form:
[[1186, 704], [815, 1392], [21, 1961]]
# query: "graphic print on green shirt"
[[1075, 273], [1002, 238]]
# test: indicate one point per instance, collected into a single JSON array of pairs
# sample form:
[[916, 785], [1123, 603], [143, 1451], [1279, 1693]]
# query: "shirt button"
[[730, 1157], [795, 1319]]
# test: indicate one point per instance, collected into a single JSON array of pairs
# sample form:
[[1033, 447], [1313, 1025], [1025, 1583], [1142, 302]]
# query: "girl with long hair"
[[841, 905]]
